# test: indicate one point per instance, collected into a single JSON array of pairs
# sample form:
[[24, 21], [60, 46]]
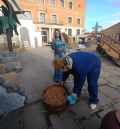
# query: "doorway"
[[25, 36], [44, 37]]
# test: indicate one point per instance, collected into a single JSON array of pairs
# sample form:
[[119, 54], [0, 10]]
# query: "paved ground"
[[37, 75]]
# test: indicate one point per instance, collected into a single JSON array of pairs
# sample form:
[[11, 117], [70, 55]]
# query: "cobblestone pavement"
[[37, 75]]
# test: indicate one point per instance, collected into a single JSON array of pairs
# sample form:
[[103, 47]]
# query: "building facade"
[[47, 15]]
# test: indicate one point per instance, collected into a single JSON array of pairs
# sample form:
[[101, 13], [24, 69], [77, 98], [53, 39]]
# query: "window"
[[78, 31], [54, 19], [28, 14], [69, 32], [69, 19], [42, 17], [52, 2], [62, 3], [70, 5], [118, 37], [42, 1], [78, 21]]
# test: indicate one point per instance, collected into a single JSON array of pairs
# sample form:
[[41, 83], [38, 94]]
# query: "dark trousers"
[[92, 79]]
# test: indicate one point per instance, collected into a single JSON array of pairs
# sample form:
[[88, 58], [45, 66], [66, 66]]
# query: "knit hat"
[[69, 62], [59, 63]]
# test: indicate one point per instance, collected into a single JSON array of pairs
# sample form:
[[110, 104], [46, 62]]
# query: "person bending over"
[[81, 65]]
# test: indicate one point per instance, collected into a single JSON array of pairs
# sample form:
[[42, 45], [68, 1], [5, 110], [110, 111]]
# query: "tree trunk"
[[9, 40]]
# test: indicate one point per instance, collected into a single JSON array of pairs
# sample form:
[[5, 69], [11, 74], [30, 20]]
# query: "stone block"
[[12, 66], [8, 84], [110, 92], [12, 121], [1, 59], [104, 74], [2, 69], [9, 59], [34, 117], [104, 112], [82, 110], [64, 121], [113, 81], [2, 80], [7, 53], [116, 106], [102, 82], [12, 77], [92, 123], [12, 87], [104, 100]]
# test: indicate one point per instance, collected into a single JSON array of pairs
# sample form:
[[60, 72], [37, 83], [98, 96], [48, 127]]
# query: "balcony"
[[47, 22]]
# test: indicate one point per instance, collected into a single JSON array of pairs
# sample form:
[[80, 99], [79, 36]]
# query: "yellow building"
[[46, 15]]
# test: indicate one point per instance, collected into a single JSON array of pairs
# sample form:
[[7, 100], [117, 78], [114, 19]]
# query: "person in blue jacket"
[[59, 47], [82, 65]]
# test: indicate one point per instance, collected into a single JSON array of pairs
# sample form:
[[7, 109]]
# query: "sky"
[[105, 12]]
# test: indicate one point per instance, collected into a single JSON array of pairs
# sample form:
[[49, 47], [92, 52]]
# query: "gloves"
[[71, 100]]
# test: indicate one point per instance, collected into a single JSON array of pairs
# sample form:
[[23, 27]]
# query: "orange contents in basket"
[[55, 95]]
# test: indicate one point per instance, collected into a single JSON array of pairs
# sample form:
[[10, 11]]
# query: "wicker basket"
[[58, 106]]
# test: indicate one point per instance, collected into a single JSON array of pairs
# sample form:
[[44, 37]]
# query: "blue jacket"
[[83, 63]]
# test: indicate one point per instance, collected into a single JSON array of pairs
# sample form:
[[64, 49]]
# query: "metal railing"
[[47, 22]]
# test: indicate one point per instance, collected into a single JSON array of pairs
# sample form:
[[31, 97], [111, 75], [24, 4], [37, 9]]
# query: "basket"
[[55, 101]]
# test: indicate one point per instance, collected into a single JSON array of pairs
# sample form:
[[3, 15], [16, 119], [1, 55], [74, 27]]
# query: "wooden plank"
[[108, 37], [92, 123], [64, 121], [105, 47], [112, 54], [116, 61], [34, 117], [113, 45]]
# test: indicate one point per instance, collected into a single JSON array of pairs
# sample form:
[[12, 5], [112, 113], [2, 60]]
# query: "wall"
[[78, 11], [32, 34]]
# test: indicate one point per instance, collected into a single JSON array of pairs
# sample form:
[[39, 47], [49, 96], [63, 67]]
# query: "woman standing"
[[59, 48]]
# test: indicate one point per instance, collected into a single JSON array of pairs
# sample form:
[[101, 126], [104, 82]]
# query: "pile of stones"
[[12, 95], [10, 61]]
